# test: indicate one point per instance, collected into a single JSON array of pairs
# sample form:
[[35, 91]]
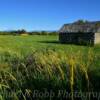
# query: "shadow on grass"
[[51, 42], [57, 42]]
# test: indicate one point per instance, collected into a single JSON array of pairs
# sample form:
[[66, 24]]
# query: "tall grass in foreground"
[[46, 70]]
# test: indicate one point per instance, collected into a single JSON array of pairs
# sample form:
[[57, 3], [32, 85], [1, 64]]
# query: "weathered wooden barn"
[[80, 33]]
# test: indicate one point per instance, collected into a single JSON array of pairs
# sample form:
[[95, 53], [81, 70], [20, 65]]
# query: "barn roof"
[[80, 26]]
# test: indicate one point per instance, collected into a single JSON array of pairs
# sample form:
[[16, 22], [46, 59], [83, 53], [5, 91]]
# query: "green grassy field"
[[41, 62]]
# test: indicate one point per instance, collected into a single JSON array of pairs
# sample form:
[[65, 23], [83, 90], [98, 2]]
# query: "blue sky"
[[45, 14]]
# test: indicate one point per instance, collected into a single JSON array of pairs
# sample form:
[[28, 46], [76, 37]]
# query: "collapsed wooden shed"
[[80, 33]]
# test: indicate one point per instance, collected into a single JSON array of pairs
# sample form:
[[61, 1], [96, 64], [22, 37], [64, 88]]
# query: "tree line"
[[19, 32]]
